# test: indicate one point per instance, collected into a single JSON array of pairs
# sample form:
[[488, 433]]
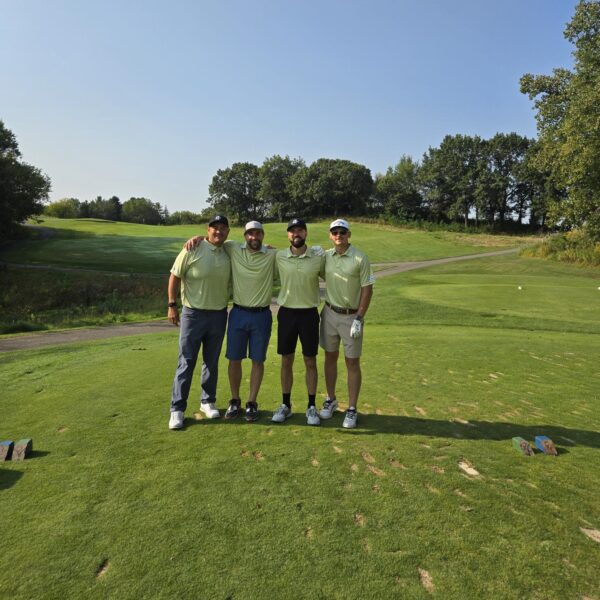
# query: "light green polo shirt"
[[253, 274], [299, 277], [345, 275], [205, 274]]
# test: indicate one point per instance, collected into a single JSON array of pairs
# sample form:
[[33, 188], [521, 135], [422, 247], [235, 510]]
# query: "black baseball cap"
[[219, 219], [296, 223]]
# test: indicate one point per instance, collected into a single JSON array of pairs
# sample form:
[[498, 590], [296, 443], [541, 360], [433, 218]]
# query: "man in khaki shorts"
[[349, 287]]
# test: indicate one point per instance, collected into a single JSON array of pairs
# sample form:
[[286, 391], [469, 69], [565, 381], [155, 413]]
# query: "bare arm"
[[366, 293], [193, 242], [174, 287]]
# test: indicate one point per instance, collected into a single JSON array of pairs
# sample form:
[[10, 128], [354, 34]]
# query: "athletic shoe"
[[350, 419], [251, 411], [312, 416], [208, 408], [281, 414], [329, 407], [176, 420], [233, 410]]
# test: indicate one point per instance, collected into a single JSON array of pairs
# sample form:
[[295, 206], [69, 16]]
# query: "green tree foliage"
[[23, 188], [235, 192], [275, 174], [142, 210], [568, 120], [100, 208], [185, 217], [331, 187], [397, 192], [65, 208]]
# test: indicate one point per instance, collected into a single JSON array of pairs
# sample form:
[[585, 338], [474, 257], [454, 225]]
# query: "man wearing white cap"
[[349, 287], [250, 320]]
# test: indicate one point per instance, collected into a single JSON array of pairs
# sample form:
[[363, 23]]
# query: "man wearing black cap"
[[203, 275], [299, 268]]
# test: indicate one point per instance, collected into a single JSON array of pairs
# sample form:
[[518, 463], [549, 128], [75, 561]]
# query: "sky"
[[150, 98]]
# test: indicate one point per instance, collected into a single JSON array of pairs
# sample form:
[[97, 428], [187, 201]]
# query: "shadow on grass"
[[391, 424], [9, 478]]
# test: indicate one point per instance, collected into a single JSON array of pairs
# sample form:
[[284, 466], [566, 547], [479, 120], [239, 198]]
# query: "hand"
[[356, 329], [193, 242], [173, 315]]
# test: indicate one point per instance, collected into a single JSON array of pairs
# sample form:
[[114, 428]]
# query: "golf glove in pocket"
[[356, 329]]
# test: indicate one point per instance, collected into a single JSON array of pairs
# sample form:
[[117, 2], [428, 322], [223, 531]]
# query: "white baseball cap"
[[339, 223], [253, 225]]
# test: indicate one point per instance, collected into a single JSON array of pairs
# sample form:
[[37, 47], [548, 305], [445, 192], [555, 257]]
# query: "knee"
[[287, 360], [310, 362], [353, 364], [331, 357]]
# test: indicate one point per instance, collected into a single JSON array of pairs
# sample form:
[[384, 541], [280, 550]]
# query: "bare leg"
[[354, 380], [310, 362], [256, 376], [287, 374], [331, 359], [235, 377]]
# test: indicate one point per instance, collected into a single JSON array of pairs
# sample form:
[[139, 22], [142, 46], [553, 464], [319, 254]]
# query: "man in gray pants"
[[203, 275]]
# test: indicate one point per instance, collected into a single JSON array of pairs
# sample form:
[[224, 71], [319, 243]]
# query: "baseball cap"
[[253, 225], [219, 219], [339, 223], [296, 223]]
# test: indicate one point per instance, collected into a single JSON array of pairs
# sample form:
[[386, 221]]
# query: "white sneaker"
[[176, 420], [208, 408], [312, 416], [281, 414], [350, 419], [329, 407]]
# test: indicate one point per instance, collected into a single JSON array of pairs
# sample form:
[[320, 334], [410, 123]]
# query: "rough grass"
[[112, 504]]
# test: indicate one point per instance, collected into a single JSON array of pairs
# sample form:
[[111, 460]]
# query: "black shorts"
[[294, 323]]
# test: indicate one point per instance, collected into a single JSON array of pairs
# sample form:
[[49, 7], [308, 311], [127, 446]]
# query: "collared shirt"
[[345, 275], [205, 274], [299, 277], [253, 274]]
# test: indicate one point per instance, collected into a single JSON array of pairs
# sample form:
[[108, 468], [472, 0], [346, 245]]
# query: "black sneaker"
[[233, 410], [251, 411]]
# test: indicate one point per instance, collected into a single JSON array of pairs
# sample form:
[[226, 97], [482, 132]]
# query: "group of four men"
[[209, 268]]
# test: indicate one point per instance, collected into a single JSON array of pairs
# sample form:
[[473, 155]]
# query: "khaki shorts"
[[336, 327]]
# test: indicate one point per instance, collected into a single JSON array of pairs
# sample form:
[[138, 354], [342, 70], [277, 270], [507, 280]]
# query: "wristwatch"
[[172, 305]]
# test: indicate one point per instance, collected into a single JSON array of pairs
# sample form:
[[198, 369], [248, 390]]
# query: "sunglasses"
[[339, 231]]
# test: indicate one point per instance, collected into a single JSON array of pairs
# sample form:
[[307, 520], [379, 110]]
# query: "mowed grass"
[[112, 504], [131, 248]]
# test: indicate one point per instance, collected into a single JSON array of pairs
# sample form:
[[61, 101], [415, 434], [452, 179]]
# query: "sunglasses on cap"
[[339, 231]]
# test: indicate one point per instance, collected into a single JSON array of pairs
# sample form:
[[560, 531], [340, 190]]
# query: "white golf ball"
[[522, 288]]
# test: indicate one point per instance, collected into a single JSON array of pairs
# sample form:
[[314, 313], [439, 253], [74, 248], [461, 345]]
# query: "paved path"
[[54, 338]]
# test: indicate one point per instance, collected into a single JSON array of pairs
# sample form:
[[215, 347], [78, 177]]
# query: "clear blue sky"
[[149, 98]]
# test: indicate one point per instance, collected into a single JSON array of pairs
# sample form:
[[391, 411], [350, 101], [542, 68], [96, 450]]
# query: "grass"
[[113, 504], [131, 248]]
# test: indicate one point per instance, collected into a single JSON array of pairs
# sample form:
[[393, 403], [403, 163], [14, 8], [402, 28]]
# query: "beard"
[[254, 244], [298, 242]]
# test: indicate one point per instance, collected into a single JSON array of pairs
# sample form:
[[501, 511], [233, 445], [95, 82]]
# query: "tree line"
[[509, 179]]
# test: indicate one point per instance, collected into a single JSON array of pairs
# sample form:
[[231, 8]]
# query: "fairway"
[[457, 361], [131, 248]]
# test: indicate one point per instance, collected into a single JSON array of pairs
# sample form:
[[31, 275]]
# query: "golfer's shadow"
[[370, 424]]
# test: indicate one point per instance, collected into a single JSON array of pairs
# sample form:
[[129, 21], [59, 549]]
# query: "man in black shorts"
[[298, 317]]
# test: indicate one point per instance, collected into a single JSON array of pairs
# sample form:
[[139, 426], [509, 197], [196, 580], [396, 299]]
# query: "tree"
[[275, 174], [331, 187], [23, 188], [397, 191], [142, 210], [235, 192], [568, 116], [65, 208]]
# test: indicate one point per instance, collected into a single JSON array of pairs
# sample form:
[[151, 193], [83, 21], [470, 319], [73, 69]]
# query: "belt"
[[342, 311], [252, 308]]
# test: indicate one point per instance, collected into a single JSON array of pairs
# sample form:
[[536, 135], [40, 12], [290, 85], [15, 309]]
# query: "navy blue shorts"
[[248, 334]]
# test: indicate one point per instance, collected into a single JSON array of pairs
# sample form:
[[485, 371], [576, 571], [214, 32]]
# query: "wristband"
[[172, 305]]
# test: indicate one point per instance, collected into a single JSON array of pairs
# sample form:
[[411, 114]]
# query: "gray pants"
[[198, 327]]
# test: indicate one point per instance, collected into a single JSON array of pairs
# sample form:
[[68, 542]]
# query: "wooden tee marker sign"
[[22, 449], [6, 450]]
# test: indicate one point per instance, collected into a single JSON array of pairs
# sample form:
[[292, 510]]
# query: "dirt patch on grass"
[[396, 464], [337, 450], [102, 568], [62, 429], [376, 471], [360, 520], [315, 463], [593, 534], [426, 580], [466, 467], [367, 457]]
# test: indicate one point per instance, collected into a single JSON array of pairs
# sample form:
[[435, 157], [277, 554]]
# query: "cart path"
[[55, 338]]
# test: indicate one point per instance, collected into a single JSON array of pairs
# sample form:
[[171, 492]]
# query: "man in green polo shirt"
[[203, 275], [349, 283], [299, 268]]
